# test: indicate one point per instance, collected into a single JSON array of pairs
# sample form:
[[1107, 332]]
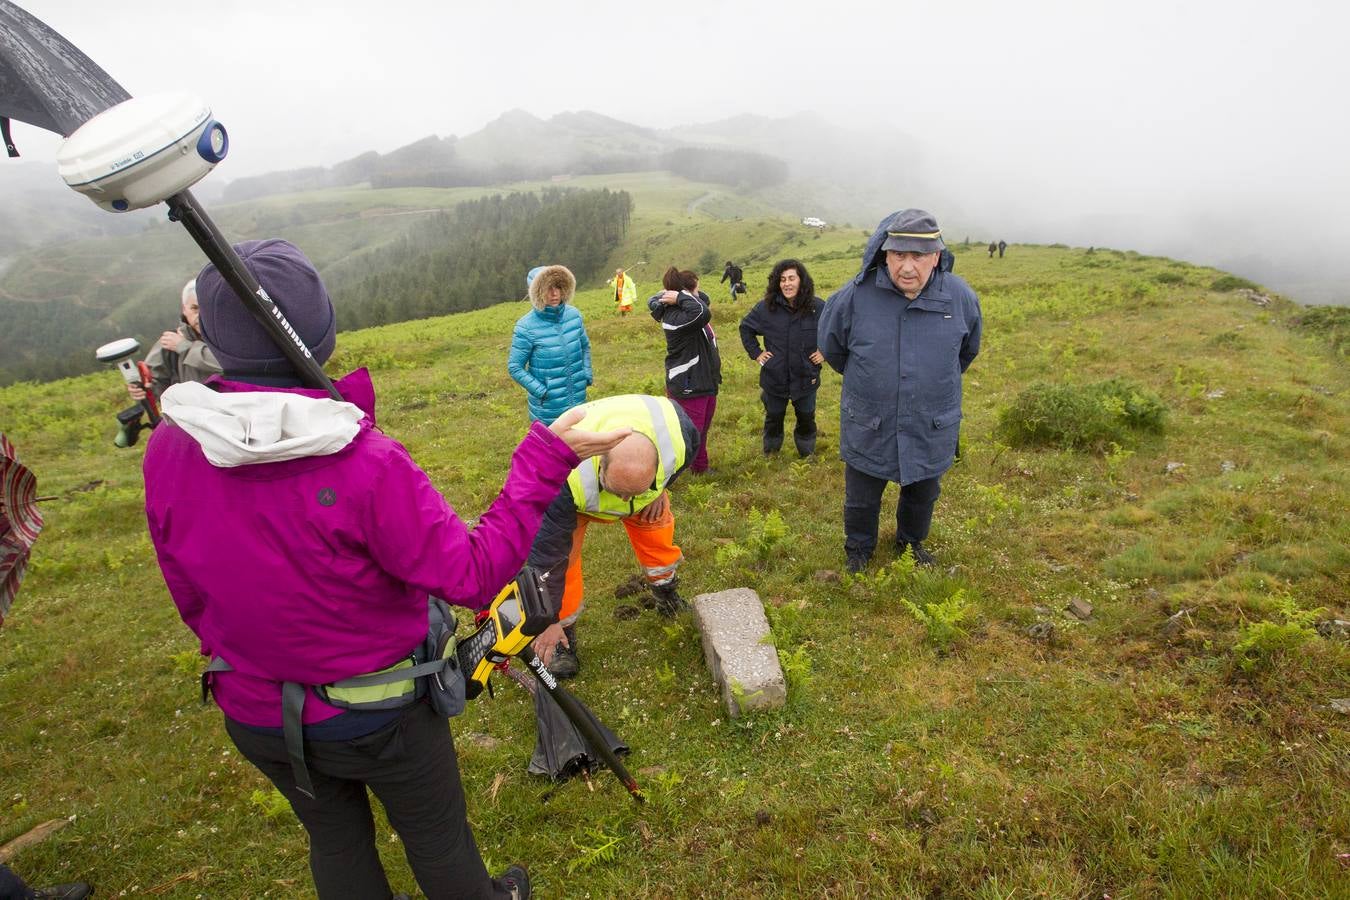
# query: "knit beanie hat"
[[290, 279]]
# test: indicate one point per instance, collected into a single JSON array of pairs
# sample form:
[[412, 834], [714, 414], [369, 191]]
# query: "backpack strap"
[[217, 665], [293, 731]]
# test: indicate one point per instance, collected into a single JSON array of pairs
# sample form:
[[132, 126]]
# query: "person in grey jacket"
[[902, 332], [179, 355]]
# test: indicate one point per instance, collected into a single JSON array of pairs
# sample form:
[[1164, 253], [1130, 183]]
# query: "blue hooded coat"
[[550, 353], [900, 407]]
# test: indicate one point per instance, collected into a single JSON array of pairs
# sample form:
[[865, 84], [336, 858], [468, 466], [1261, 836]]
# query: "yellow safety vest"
[[653, 416]]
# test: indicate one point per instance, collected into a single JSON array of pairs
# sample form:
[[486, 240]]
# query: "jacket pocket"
[[860, 413], [861, 435], [947, 419]]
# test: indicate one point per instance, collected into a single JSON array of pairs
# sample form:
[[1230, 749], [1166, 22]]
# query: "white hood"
[[248, 427]]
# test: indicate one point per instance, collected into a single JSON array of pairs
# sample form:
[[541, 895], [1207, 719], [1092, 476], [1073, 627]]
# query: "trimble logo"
[[285, 326], [544, 674]]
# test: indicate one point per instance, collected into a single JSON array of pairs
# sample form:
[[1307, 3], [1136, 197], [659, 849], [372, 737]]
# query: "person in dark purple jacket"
[[300, 544]]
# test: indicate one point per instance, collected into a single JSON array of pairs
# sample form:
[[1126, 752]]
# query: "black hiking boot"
[[922, 557], [857, 562], [669, 603], [516, 880], [565, 663]]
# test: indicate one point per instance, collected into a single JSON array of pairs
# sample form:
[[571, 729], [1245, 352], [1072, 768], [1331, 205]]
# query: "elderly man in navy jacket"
[[902, 332]]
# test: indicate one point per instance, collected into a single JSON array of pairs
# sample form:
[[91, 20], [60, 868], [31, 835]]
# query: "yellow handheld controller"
[[515, 617]]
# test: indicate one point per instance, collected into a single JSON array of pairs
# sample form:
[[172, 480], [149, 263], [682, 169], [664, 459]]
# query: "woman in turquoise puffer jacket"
[[550, 352]]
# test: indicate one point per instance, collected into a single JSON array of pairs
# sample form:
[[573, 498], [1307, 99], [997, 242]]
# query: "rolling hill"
[[1184, 735]]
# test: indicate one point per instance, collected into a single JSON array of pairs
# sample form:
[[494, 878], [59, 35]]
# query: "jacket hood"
[[240, 426], [552, 276], [873, 254]]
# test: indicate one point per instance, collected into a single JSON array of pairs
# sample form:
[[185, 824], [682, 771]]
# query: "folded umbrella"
[[20, 522], [561, 750]]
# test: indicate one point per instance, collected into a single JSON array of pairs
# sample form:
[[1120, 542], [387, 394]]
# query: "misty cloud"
[[1211, 131]]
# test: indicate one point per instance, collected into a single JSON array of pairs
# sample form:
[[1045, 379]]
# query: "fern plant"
[[1260, 643], [598, 848], [941, 620]]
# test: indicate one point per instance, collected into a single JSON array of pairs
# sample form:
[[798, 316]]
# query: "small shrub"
[[796, 665], [1169, 278], [785, 623], [767, 533], [708, 262], [598, 848], [272, 803], [1090, 417], [941, 620], [1260, 643], [1332, 322], [1226, 283]]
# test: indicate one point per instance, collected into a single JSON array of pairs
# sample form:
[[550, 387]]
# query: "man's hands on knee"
[[653, 511], [586, 444]]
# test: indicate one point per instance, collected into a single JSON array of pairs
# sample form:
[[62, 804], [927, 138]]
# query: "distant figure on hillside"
[[992, 248], [693, 364], [737, 278], [179, 355], [902, 332], [1002, 245], [790, 359], [550, 353], [625, 292]]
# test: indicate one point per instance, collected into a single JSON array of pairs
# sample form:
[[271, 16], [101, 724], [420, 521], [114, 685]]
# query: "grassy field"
[[1035, 755]]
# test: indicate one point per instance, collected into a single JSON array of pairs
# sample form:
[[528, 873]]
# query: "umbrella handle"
[[572, 710]]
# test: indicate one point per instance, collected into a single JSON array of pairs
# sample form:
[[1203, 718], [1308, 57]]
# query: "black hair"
[[804, 293]]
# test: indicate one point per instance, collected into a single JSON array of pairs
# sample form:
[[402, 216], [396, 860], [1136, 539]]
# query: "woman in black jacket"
[[790, 358], [693, 365]]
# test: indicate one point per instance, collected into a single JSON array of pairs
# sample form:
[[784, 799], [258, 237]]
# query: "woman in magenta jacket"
[[300, 544]]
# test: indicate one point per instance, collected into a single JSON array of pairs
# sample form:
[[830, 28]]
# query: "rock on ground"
[[739, 650]]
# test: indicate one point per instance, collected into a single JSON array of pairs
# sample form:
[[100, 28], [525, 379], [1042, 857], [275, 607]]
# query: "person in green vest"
[[627, 484]]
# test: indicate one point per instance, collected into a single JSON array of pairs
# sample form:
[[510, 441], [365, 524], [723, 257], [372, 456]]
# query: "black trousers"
[[775, 410], [12, 886], [862, 510], [410, 765]]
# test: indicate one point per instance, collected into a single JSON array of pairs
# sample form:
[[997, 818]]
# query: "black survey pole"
[[184, 208]]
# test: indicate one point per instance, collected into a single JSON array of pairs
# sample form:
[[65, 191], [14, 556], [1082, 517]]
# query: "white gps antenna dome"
[[142, 151], [113, 351]]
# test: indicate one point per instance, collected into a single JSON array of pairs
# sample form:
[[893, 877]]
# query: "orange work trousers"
[[653, 545]]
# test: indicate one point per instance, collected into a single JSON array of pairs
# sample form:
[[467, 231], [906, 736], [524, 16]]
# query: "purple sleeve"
[[185, 597], [415, 536]]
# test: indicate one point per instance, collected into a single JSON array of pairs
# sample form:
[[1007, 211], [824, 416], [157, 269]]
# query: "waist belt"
[[430, 670]]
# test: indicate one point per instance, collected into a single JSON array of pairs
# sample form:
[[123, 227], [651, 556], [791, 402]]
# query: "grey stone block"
[[739, 650]]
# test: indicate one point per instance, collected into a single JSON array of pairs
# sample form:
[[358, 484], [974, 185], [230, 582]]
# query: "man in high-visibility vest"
[[627, 484], [625, 292]]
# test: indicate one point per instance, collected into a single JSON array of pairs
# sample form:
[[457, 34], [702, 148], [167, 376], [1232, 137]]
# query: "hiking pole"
[[577, 716]]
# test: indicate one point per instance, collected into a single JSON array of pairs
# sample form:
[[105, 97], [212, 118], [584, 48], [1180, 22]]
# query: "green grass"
[[1116, 759]]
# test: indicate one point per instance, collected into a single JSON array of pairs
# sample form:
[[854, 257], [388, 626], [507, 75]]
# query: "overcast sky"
[[1198, 114]]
